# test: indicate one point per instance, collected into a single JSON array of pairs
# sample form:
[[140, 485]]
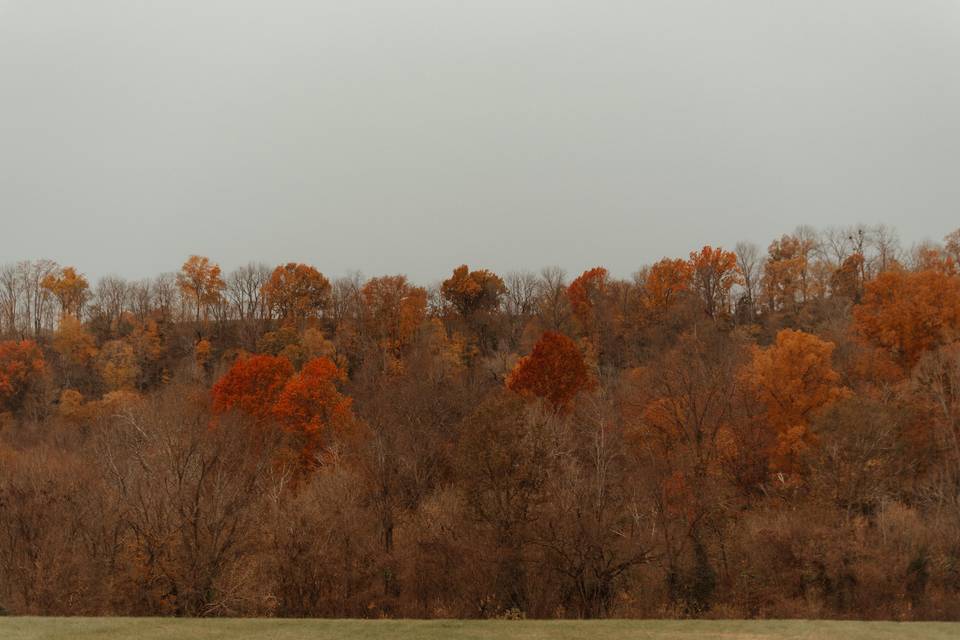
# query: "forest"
[[736, 433]]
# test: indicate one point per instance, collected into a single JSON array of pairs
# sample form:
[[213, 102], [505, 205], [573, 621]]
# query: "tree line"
[[734, 433]]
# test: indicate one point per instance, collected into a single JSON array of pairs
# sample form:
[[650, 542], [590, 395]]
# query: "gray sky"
[[411, 136]]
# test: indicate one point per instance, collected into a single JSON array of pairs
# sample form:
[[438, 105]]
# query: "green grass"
[[16, 628]]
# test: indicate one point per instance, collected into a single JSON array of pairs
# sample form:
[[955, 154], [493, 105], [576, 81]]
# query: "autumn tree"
[[714, 272], [393, 311], [252, 386], [313, 410], [297, 292], [908, 313], [473, 291], [117, 365], [555, 371], [21, 367], [665, 282], [586, 294], [150, 346], [75, 346], [784, 274], [793, 379], [475, 296], [199, 279], [70, 289], [848, 280]]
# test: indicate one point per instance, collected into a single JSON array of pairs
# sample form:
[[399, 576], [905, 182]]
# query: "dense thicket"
[[735, 433]]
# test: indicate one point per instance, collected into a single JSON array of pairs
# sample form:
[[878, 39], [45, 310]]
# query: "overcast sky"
[[412, 136]]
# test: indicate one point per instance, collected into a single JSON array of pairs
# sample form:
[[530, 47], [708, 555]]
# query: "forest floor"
[[29, 628]]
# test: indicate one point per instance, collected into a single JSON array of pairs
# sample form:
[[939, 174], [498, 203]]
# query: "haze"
[[414, 136]]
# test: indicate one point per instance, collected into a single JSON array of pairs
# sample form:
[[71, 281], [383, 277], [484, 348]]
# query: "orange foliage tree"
[[666, 281], [555, 370], [714, 272], [784, 272], [849, 277], [74, 343], [21, 365], [472, 291], [199, 279], [297, 292], [586, 295], [909, 313], [393, 310], [70, 289], [793, 379]]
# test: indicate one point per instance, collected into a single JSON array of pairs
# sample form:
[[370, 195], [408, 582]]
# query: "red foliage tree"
[[252, 385], [555, 371], [312, 409]]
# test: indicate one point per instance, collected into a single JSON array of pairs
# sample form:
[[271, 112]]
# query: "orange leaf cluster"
[[909, 313], [21, 363]]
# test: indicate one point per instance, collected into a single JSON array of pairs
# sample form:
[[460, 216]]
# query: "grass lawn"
[[15, 628]]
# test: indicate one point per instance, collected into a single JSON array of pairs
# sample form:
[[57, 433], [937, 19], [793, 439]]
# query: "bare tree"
[[749, 262], [552, 304], [520, 302]]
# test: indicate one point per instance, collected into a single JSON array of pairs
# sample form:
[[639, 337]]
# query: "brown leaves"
[[471, 291]]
